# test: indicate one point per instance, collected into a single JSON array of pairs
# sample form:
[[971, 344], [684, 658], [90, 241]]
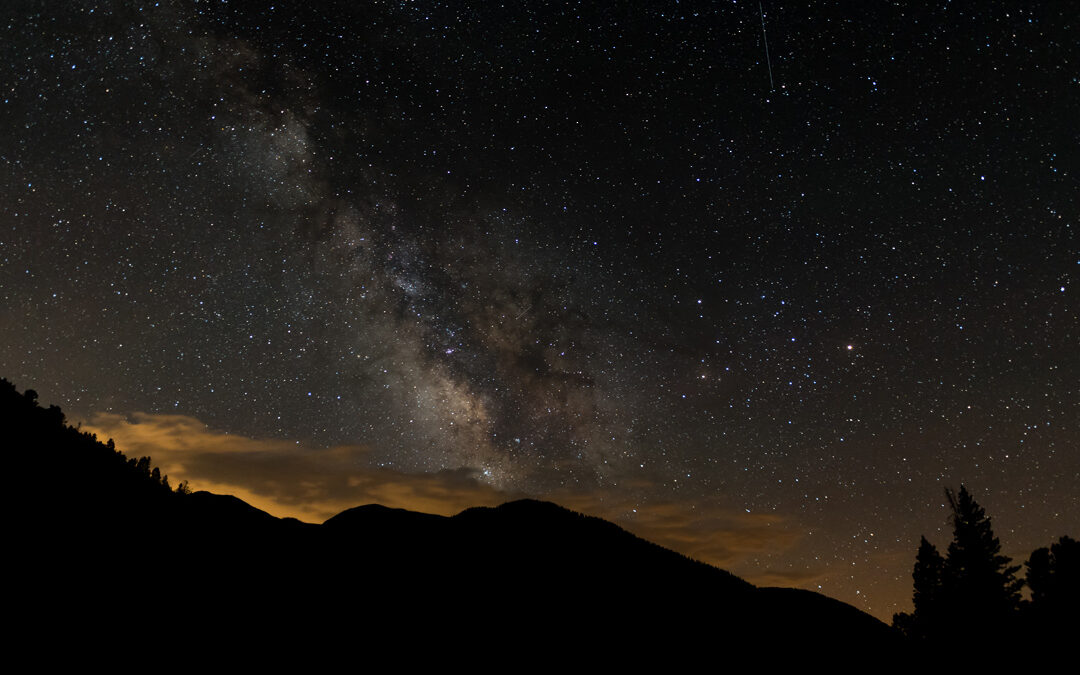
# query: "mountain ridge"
[[524, 573]]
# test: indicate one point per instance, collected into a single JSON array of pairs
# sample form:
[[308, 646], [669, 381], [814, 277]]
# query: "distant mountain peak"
[[377, 514]]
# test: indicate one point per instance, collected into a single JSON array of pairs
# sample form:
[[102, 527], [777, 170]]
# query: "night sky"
[[761, 308]]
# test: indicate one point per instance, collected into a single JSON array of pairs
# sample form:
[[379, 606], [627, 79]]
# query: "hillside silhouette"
[[97, 530]]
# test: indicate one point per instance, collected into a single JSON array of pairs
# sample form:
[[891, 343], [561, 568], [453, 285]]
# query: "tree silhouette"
[[1053, 575], [973, 592], [1040, 576], [929, 570], [925, 623], [979, 586], [928, 574]]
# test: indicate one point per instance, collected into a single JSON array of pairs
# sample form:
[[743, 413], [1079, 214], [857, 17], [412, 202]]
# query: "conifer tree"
[[928, 574], [925, 623], [979, 586]]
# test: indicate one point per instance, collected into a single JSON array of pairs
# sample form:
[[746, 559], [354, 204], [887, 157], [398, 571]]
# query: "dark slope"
[[379, 521], [554, 542], [95, 530]]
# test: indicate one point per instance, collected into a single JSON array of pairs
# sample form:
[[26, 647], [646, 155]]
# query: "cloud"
[[282, 477], [800, 578], [290, 479], [703, 529]]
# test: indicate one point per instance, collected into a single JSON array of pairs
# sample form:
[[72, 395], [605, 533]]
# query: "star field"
[[579, 251]]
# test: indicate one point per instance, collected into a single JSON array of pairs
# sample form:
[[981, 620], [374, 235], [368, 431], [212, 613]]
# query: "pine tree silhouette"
[[925, 623], [928, 574], [971, 594], [980, 591]]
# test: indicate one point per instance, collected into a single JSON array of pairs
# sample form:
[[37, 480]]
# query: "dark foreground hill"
[[103, 547]]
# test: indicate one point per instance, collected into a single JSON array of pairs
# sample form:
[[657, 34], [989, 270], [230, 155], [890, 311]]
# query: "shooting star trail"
[[765, 37]]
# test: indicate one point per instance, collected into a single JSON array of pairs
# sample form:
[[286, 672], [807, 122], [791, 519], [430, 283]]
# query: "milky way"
[[577, 251]]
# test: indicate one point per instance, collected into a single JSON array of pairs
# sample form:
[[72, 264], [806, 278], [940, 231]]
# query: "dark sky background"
[[434, 254]]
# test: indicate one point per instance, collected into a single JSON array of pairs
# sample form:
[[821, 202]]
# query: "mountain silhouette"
[[527, 579]]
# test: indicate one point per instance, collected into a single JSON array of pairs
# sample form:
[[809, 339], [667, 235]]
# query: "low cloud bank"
[[290, 479]]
